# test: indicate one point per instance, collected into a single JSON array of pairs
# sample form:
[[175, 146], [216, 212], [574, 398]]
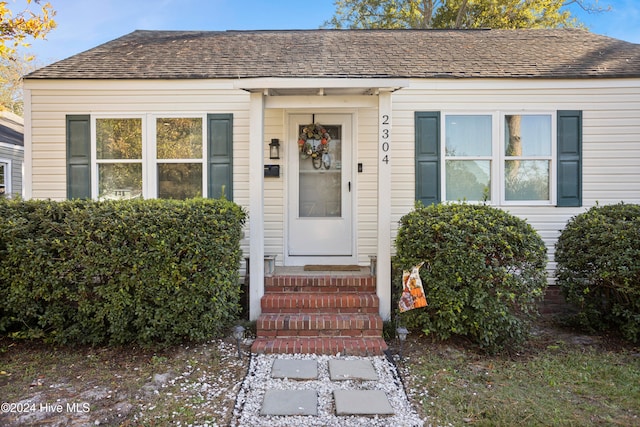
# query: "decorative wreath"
[[314, 142]]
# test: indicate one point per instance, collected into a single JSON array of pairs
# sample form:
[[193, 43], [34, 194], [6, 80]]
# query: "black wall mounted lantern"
[[274, 149]]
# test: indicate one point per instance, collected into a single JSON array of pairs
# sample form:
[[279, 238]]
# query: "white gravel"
[[258, 380]]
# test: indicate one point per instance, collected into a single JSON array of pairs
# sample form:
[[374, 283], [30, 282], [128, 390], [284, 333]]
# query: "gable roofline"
[[352, 54]]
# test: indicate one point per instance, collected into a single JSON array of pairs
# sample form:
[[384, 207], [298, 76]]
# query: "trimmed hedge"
[[598, 256], [484, 272], [144, 271]]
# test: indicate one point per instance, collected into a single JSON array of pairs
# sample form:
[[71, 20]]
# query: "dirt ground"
[[181, 385], [49, 386]]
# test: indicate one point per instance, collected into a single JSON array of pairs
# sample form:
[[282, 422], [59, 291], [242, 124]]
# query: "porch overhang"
[[274, 86], [328, 93]]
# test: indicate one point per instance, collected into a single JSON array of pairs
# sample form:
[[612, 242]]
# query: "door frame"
[[292, 144]]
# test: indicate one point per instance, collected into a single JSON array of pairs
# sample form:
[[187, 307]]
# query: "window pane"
[[179, 138], [468, 135], [119, 138], [468, 180], [179, 180], [527, 180], [119, 180], [527, 135]]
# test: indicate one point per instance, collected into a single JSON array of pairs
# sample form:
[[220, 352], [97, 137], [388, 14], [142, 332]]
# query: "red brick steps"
[[318, 303], [320, 283], [323, 324], [320, 313]]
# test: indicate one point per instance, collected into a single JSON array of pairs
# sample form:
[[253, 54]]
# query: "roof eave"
[[266, 83]]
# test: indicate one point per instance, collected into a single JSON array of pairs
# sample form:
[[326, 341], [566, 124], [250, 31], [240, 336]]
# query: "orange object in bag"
[[413, 295]]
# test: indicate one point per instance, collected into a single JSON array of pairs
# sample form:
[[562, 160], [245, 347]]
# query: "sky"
[[84, 24]]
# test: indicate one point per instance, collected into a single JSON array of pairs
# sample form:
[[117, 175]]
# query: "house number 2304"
[[385, 138]]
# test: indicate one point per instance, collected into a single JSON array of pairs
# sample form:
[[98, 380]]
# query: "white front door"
[[320, 190]]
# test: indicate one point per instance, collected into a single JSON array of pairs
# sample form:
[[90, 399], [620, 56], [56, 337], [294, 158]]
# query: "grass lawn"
[[560, 379]]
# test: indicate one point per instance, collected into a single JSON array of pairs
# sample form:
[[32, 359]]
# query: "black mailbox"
[[272, 171]]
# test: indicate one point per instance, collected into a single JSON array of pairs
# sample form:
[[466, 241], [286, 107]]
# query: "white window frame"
[[552, 158], [95, 162], [491, 158], [152, 152], [149, 152], [498, 156], [7, 177]]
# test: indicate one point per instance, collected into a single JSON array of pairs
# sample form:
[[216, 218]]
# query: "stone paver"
[[295, 369], [305, 402], [365, 393], [290, 402], [352, 370], [362, 402]]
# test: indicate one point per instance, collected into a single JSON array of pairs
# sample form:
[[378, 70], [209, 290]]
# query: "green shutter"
[[569, 158], [220, 161], [78, 157], [427, 128]]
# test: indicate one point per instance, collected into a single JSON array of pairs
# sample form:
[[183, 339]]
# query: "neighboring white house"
[[11, 154], [542, 123]]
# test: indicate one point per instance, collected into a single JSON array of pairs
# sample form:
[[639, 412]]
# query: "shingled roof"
[[540, 53]]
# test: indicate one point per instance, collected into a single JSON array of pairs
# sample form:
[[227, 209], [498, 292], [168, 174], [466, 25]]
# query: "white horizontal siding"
[[274, 188], [366, 183], [611, 138], [50, 106]]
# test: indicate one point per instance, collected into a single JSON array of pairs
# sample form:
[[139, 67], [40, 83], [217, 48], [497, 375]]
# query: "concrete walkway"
[[305, 402], [314, 390]]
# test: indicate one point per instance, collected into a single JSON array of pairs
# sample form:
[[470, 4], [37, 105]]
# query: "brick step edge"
[[320, 284], [321, 345], [320, 333], [307, 302], [318, 321], [270, 289]]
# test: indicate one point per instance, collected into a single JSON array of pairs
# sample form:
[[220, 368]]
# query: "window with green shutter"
[[500, 158], [150, 156]]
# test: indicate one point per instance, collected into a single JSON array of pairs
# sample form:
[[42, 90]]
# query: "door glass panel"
[[320, 176]]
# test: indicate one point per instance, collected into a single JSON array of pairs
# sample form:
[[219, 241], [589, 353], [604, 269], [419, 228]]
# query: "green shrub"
[[140, 271], [484, 272], [598, 256]]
